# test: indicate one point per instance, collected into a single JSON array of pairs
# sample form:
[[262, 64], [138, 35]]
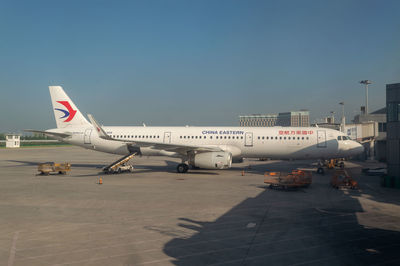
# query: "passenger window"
[[288, 137], [307, 137], [280, 137], [284, 137], [267, 137], [258, 137], [184, 137], [241, 137], [210, 137], [298, 138], [302, 137], [200, 137], [224, 137], [196, 137], [205, 137]]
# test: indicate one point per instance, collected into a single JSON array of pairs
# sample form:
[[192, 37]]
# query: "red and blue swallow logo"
[[69, 113]]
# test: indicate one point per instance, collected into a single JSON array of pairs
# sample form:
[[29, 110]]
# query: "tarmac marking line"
[[212, 232], [13, 249], [155, 232], [176, 246], [277, 223], [297, 250]]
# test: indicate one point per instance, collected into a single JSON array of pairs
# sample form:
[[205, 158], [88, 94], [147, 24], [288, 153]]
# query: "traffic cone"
[[100, 181], [242, 172]]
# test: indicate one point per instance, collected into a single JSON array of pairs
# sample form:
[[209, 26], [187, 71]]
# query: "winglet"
[[100, 131]]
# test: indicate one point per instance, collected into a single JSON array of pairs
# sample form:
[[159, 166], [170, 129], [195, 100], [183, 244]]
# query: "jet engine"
[[211, 160]]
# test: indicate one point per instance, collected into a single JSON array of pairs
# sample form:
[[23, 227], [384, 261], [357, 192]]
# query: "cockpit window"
[[339, 137]]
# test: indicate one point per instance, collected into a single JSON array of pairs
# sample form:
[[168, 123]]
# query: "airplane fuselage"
[[248, 142]]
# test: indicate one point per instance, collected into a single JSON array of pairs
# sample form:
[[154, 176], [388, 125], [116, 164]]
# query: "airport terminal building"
[[287, 119]]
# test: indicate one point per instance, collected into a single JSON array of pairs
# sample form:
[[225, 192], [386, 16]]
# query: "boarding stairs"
[[120, 165]]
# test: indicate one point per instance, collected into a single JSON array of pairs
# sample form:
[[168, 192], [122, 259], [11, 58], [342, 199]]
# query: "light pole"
[[343, 117], [366, 83], [332, 117]]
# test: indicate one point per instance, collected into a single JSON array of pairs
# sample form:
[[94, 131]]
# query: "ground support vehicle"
[[341, 179], [51, 167], [119, 166], [292, 180]]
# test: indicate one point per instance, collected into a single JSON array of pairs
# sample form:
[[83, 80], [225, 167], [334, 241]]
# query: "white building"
[[13, 141], [288, 119]]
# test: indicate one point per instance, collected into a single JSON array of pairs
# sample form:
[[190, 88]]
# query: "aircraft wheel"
[[182, 168]]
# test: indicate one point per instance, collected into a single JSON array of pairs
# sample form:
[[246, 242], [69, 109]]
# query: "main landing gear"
[[182, 168]]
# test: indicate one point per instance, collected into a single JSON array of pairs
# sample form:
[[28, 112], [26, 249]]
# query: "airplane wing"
[[180, 148], [49, 133]]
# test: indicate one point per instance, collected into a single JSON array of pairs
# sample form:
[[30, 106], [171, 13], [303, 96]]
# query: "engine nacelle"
[[212, 160]]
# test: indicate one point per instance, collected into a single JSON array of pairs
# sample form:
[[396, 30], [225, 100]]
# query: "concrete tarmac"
[[156, 216]]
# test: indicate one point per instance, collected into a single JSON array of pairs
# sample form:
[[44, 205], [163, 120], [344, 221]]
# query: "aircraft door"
[[321, 138], [86, 137], [248, 142], [167, 137]]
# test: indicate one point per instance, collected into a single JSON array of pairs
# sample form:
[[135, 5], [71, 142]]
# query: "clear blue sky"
[[194, 62]]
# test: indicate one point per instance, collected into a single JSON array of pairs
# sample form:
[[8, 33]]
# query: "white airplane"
[[203, 147]]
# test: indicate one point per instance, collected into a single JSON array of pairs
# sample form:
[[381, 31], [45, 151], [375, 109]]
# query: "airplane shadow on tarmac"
[[72, 165], [170, 167], [319, 227]]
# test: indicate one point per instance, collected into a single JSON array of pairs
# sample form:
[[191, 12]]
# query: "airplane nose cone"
[[359, 149]]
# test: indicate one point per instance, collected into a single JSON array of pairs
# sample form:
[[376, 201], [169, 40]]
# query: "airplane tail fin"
[[65, 111]]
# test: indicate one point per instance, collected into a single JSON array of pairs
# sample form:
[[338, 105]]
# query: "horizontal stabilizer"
[[49, 133]]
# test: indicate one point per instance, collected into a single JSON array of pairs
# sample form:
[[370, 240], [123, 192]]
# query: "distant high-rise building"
[[287, 119], [258, 120]]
